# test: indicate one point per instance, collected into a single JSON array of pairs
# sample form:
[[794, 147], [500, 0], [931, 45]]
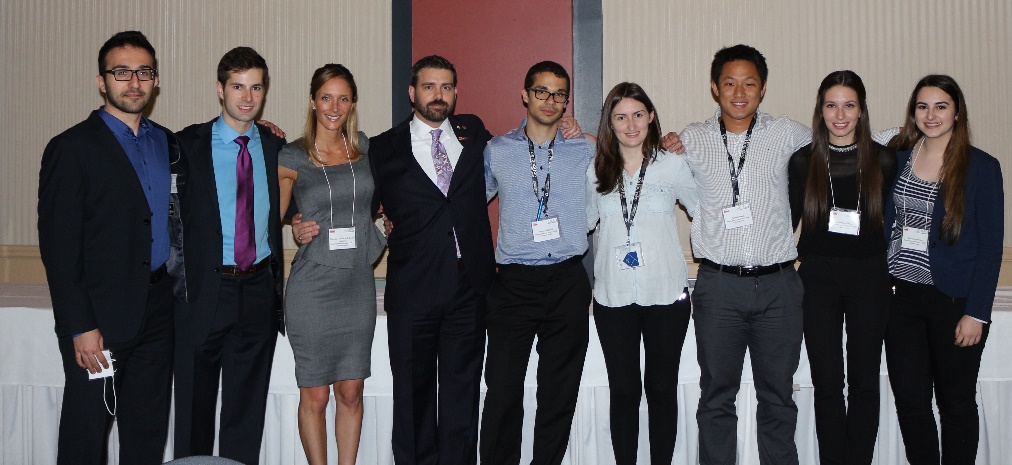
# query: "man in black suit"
[[104, 236], [429, 178], [229, 198]]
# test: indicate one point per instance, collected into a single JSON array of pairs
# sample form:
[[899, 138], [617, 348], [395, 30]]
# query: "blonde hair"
[[350, 128]]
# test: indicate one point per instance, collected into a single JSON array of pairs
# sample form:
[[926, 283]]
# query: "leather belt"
[[747, 270], [158, 274], [233, 270]]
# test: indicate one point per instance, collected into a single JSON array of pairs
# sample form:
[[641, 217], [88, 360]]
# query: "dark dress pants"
[[240, 351], [662, 328], [855, 290], [551, 302], [435, 359], [143, 379], [921, 354], [762, 314]]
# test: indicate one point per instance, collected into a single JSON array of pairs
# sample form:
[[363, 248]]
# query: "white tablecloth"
[[31, 388]]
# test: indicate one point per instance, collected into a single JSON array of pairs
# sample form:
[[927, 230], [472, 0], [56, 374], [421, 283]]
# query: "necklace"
[[843, 148]]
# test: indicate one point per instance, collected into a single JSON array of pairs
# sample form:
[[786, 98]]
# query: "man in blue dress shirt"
[[542, 288], [104, 236]]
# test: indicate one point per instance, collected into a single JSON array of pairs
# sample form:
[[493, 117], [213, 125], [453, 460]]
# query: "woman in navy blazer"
[[945, 250]]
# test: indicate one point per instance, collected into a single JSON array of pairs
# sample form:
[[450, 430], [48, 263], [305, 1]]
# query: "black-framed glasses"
[[123, 74], [558, 97]]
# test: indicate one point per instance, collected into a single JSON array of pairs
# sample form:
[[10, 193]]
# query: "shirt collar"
[[420, 130], [228, 135], [760, 123], [119, 127], [519, 134]]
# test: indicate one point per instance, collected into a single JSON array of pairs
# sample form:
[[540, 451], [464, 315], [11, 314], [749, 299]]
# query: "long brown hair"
[[349, 129], [869, 175], [608, 163], [956, 158]]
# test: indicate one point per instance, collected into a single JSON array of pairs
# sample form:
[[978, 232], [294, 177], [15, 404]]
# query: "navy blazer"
[[422, 263], [95, 232], [198, 194], [969, 268]]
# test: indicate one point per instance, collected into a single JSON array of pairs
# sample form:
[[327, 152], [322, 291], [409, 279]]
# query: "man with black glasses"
[[104, 236], [542, 288]]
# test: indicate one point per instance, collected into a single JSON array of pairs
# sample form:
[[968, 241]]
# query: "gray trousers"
[[762, 314]]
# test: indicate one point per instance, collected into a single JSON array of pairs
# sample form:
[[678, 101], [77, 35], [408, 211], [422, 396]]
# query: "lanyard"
[[832, 194], [741, 161], [330, 191], [628, 215], [541, 195]]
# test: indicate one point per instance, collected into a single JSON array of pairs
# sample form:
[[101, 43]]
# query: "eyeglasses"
[[542, 94], [123, 74]]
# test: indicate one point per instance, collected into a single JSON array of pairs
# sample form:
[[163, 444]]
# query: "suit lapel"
[[117, 157], [203, 166], [270, 147], [465, 136], [406, 155]]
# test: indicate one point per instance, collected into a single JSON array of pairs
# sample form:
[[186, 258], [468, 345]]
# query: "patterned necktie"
[[444, 171], [245, 251]]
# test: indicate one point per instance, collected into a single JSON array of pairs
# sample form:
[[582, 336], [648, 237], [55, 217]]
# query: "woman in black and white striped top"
[[945, 246]]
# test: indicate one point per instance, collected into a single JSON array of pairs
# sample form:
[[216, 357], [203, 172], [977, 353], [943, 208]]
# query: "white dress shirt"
[[421, 145]]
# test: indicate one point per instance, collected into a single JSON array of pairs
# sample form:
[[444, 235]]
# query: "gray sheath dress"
[[330, 300]]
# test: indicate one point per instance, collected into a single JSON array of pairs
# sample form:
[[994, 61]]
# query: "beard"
[[431, 113], [129, 104]]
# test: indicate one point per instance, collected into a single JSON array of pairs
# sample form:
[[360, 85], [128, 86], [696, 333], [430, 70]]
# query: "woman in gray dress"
[[331, 298]]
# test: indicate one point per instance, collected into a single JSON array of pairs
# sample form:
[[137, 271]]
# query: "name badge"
[[172, 188], [629, 256], [843, 221], [545, 230], [737, 216], [341, 238], [915, 239]]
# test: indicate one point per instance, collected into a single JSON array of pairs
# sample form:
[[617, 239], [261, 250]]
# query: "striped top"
[[915, 200]]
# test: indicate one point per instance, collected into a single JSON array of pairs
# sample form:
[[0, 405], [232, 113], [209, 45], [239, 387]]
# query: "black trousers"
[[435, 359], [662, 328], [551, 302], [855, 291], [239, 350], [142, 379], [923, 359], [762, 314]]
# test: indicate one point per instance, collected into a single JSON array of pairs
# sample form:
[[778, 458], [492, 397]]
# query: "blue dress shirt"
[[148, 152], [508, 172]]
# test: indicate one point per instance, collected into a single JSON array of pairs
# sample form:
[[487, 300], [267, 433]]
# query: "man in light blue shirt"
[[227, 330], [542, 288]]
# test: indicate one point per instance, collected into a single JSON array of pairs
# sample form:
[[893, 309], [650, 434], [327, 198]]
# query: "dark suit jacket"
[[422, 263], [198, 195], [95, 232], [968, 268]]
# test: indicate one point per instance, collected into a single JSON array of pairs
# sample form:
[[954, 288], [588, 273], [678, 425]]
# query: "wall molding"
[[23, 264]]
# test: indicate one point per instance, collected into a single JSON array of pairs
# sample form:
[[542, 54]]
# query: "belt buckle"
[[746, 271]]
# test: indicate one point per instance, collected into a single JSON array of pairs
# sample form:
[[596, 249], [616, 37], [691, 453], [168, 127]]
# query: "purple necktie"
[[444, 171], [245, 252]]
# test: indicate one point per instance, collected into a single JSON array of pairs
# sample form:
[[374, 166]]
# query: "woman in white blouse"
[[641, 287]]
